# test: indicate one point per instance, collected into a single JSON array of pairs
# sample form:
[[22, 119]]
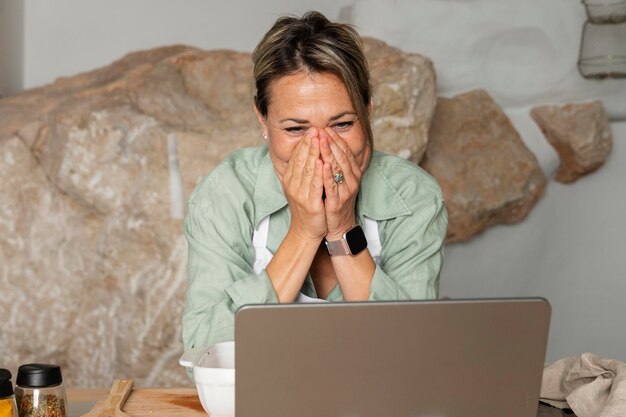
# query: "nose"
[[312, 132]]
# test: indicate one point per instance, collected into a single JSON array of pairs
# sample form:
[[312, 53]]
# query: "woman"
[[291, 220]]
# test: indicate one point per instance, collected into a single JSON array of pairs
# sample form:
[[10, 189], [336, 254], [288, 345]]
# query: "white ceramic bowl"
[[214, 374]]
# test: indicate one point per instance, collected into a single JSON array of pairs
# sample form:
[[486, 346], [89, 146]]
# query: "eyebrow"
[[304, 121]]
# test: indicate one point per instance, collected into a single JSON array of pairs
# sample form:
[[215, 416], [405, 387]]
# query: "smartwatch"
[[352, 243]]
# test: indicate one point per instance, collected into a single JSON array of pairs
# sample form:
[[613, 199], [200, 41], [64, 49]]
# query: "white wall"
[[522, 52], [11, 46], [64, 37]]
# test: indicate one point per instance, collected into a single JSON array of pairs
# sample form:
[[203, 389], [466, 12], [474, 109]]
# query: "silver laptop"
[[465, 358]]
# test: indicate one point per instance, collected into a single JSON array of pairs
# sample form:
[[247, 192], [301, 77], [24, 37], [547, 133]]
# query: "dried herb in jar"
[[48, 405], [39, 391]]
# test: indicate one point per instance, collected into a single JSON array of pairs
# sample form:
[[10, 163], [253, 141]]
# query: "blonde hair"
[[314, 44]]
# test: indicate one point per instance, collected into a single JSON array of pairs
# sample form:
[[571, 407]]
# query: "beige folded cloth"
[[591, 386]]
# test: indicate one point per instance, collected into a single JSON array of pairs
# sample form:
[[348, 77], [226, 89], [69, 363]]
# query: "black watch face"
[[356, 240]]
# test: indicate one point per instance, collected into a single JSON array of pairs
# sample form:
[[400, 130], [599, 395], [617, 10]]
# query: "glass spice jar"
[[7, 400], [39, 391]]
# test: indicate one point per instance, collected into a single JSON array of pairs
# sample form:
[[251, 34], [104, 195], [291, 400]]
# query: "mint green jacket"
[[228, 204]]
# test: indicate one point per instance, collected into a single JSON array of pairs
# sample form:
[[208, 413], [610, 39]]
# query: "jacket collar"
[[378, 197], [268, 193]]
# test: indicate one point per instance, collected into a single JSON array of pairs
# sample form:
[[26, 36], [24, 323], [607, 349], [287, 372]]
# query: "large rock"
[[109, 150], [581, 135], [47, 246], [96, 170], [404, 99], [487, 174]]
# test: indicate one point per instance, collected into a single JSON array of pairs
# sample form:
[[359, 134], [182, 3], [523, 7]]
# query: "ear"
[[262, 122]]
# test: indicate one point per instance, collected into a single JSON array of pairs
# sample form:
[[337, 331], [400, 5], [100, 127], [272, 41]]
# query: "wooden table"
[[179, 402]]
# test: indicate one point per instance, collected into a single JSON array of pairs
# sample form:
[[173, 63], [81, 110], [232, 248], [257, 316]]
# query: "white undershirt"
[[262, 255]]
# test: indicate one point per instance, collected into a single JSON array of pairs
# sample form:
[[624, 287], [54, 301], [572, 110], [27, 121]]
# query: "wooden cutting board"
[[179, 402], [157, 402]]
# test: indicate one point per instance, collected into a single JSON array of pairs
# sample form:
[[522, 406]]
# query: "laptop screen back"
[[392, 359]]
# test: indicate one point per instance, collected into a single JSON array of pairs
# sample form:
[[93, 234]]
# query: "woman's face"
[[303, 100]]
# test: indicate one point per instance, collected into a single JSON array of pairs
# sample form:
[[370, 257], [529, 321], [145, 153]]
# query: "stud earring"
[[265, 135]]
